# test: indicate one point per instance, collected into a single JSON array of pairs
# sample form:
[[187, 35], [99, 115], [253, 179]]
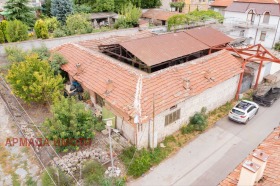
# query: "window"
[[242, 33], [170, 118], [266, 17], [263, 35], [251, 16], [99, 100]]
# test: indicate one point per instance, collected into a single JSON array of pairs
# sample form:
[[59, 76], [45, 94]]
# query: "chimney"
[[248, 173], [186, 83], [260, 158], [78, 66]]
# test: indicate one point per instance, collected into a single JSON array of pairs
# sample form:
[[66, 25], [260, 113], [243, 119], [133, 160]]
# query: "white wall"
[[211, 99], [253, 31], [165, 4]]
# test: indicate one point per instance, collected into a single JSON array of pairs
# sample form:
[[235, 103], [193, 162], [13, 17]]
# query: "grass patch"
[[93, 173], [30, 182], [15, 179]]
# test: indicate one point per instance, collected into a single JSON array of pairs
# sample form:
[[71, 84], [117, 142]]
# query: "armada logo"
[[46, 142]]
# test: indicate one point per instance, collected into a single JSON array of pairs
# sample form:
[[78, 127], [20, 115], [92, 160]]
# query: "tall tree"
[[61, 9], [18, 9], [104, 5], [46, 8]]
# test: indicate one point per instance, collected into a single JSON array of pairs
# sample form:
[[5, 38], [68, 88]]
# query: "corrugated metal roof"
[[259, 8], [160, 48], [209, 36]]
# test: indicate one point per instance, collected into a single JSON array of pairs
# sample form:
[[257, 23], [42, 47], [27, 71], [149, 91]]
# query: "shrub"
[[2, 37], [63, 178], [82, 9], [16, 31], [56, 61], [78, 24], [104, 5], [99, 126], [43, 52], [140, 164], [59, 33], [41, 29], [15, 54], [33, 80], [52, 24], [70, 121], [277, 46], [3, 28], [93, 173], [129, 17]]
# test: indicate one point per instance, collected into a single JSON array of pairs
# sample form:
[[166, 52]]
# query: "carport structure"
[[255, 53]]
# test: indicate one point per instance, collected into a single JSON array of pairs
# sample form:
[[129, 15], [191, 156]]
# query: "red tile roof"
[[257, 1], [130, 90], [212, 38], [270, 146], [221, 3], [158, 14]]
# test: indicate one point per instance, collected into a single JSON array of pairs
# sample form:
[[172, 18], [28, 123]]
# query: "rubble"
[[73, 161], [113, 172]]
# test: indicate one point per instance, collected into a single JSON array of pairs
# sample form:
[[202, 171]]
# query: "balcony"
[[248, 24]]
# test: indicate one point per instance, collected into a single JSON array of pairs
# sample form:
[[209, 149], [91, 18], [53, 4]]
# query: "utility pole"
[[153, 122], [109, 124]]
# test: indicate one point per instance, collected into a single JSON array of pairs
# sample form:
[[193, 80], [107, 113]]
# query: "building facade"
[[257, 22], [190, 5]]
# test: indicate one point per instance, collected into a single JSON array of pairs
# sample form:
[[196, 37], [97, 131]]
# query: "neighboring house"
[[261, 167], [157, 16], [190, 5], [256, 20], [220, 5], [150, 80], [103, 18]]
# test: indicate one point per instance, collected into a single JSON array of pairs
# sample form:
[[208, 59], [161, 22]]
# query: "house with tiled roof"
[[261, 167], [159, 81], [157, 16], [220, 5]]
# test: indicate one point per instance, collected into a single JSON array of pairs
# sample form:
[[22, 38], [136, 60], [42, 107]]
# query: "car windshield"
[[237, 112], [243, 105]]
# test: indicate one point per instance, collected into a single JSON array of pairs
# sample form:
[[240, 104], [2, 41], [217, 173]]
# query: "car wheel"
[[257, 111], [246, 121]]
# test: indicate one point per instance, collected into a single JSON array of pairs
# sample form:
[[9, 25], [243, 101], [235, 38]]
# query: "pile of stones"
[[73, 161], [113, 172]]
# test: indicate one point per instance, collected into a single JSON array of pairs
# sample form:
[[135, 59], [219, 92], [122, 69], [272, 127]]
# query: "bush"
[[43, 52], [129, 17], [59, 33], [140, 164], [99, 126], [16, 31], [15, 54], [2, 37], [78, 24], [277, 46], [56, 61], [93, 173], [52, 24], [3, 28], [70, 121], [41, 29], [63, 178], [33, 80], [82, 9]]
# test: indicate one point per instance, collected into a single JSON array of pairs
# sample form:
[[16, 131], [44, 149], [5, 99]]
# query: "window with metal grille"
[[99, 100], [263, 35], [170, 118]]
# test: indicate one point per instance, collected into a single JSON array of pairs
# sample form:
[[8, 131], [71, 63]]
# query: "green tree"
[[150, 3], [129, 16], [16, 31], [19, 10], [3, 28], [41, 29], [46, 8], [33, 80], [56, 61], [104, 5], [84, 8], [61, 9], [78, 24], [71, 120], [15, 54], [178, 5], [2, 37]]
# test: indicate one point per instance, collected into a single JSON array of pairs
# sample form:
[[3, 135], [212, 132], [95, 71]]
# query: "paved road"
[[213, 155]]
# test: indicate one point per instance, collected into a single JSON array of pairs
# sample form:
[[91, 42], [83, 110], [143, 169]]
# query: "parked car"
[[243, 111], [267, 99]]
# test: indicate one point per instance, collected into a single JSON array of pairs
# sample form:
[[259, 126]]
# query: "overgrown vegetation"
[[56, 61], [78, 24], [198, 122], [277, 46], [33, 80], [41, 29], [16, 31], [177, 5], [61, 9], [70, 121], [93, 173], [193, 17], [58, 176]]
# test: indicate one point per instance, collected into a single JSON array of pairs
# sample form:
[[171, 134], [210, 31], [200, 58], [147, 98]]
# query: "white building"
[[258, 22]]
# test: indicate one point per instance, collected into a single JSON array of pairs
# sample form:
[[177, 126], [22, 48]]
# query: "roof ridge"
[[137, 98]]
